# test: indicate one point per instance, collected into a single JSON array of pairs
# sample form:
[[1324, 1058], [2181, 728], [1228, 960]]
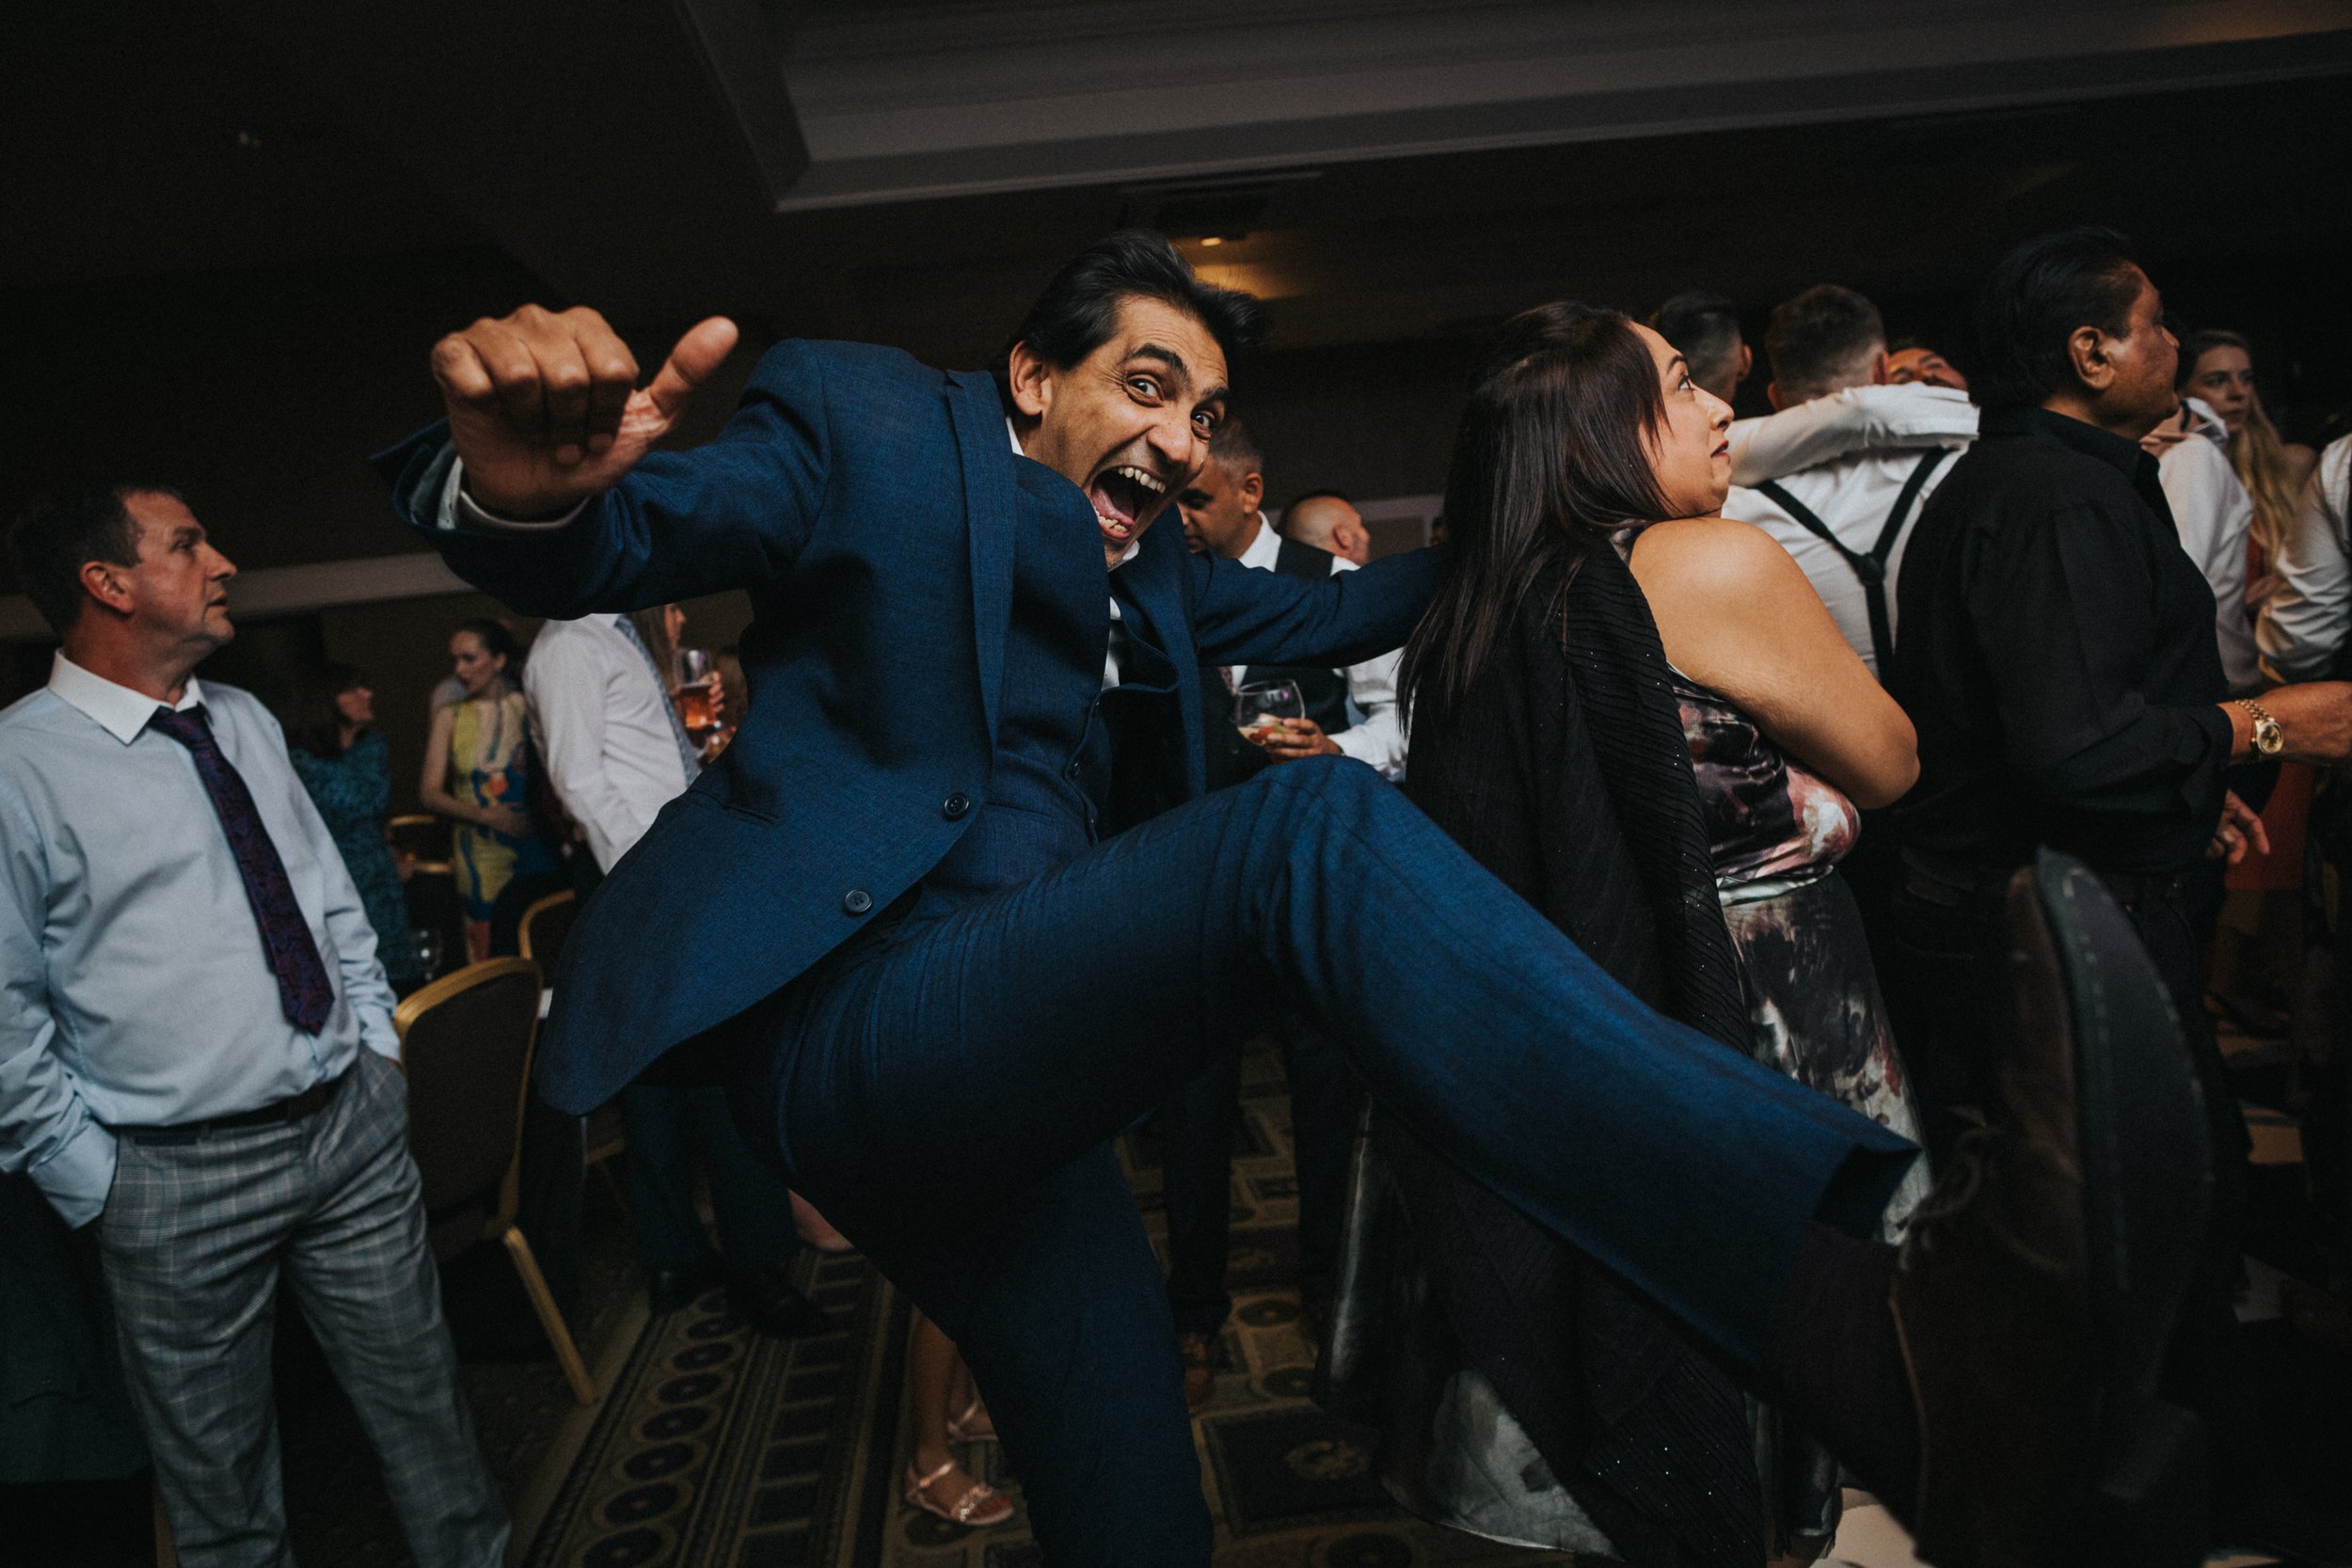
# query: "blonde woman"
[[2218, 367]]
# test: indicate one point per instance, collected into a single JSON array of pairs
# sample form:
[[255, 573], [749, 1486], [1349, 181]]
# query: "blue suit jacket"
[[869, 505]]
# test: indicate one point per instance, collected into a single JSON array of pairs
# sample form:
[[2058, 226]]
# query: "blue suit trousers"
[[945, 1091]]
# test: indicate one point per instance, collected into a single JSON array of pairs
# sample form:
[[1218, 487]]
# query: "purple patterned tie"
[[303, 988]]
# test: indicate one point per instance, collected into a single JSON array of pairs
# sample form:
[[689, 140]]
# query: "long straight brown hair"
[[1553, 455]]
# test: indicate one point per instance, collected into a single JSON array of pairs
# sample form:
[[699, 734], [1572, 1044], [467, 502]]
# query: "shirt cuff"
[[458, 510], [77, 1178], [377, 1034], [1369, 749]]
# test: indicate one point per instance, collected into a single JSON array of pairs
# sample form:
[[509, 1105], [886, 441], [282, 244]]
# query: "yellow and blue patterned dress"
[[490, 764]]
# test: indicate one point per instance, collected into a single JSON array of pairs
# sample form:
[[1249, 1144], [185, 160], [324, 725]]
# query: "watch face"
[[2268, 737]]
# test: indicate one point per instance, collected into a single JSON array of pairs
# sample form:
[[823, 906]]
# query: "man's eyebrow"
[[1183, 372], [1168, 357]]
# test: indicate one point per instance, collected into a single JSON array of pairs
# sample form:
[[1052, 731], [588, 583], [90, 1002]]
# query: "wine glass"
[[697, 694], [1259, 707]]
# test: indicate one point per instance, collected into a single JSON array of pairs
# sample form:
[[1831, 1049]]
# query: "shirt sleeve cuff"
[[78, 1176], [377, 1034], [459, 510], [1366, 746]]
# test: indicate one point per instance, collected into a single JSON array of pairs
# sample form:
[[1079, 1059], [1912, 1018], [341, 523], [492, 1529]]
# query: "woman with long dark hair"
[[1556, 725], [343, 761]]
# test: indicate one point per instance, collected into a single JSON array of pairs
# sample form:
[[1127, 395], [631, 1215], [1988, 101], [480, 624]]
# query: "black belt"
[[277, 1112]]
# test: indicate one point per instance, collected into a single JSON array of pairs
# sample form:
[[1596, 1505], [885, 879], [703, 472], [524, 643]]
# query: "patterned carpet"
[[717, 1448]]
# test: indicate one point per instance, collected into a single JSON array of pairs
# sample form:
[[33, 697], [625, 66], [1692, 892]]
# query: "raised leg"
[[943, 1070]]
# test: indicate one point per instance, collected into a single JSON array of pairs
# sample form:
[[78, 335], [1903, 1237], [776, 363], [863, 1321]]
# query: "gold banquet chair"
[[544, 926], [466, 1043], [422, 836]]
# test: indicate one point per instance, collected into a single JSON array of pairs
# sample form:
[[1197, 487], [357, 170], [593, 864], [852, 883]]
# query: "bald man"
[[1328, 521]]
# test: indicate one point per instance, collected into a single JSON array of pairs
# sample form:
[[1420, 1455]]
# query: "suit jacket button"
[[954, 807], [857, 900]]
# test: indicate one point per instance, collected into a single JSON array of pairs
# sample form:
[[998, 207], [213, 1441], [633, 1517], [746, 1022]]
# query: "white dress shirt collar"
[[1265, 547], [116, 709], [1133, 544]]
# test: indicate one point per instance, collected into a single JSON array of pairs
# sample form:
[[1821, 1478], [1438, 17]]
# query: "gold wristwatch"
[[2269, 739]]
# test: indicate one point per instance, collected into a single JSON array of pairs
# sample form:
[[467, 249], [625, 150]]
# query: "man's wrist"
[[460, 508]]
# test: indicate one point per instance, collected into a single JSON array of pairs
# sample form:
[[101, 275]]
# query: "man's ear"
[[1772, 395], [1253, 488], [1879, 377], [1031, 380], [1747, 363], [103, 580], [2087, 348]]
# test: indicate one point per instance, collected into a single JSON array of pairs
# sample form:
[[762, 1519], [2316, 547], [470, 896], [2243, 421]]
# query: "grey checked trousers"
[[195, 1234]]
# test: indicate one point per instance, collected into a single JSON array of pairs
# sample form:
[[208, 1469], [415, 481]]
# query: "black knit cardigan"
[[1565, 773]]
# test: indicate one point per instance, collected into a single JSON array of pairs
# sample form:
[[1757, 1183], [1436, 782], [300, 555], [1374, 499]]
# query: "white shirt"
[[1379, 740], [2214, 515], [603, 723], [2305, 623], [1858, 419], [1854, 490], [134, 985]]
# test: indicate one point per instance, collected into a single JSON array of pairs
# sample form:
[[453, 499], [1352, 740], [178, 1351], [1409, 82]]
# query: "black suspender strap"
[[1869, 570]]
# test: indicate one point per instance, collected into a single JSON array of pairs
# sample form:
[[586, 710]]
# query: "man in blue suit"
[[893, 907]]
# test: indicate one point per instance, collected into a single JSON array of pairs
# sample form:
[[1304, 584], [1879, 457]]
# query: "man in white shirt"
[[1838, 479], [616, 753], [196, 1053], [1221, 516]]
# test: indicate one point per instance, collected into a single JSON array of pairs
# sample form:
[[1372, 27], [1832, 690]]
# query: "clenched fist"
[[545, 409]]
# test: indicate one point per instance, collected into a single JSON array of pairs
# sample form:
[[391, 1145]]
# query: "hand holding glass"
[[1259, 707]]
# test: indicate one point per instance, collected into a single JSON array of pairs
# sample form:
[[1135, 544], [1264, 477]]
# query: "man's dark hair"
[[1704, 329], [1819, 342], [1079, 310], [2031, 304], [1234, 450], [65, 528]]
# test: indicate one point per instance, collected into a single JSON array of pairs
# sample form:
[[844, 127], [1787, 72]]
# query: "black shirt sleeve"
[[2069, 611]]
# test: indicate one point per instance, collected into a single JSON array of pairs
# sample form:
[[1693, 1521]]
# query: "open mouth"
[[1125, 498]]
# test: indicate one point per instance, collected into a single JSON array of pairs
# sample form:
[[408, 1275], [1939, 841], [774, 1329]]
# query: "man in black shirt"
[[2057, 656]]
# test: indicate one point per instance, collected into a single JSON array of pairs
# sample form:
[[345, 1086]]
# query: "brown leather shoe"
[[1200, 1370], [2036, 1288]]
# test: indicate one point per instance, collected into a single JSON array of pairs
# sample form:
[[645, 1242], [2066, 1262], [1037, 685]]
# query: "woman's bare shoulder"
[[1711, 557]]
